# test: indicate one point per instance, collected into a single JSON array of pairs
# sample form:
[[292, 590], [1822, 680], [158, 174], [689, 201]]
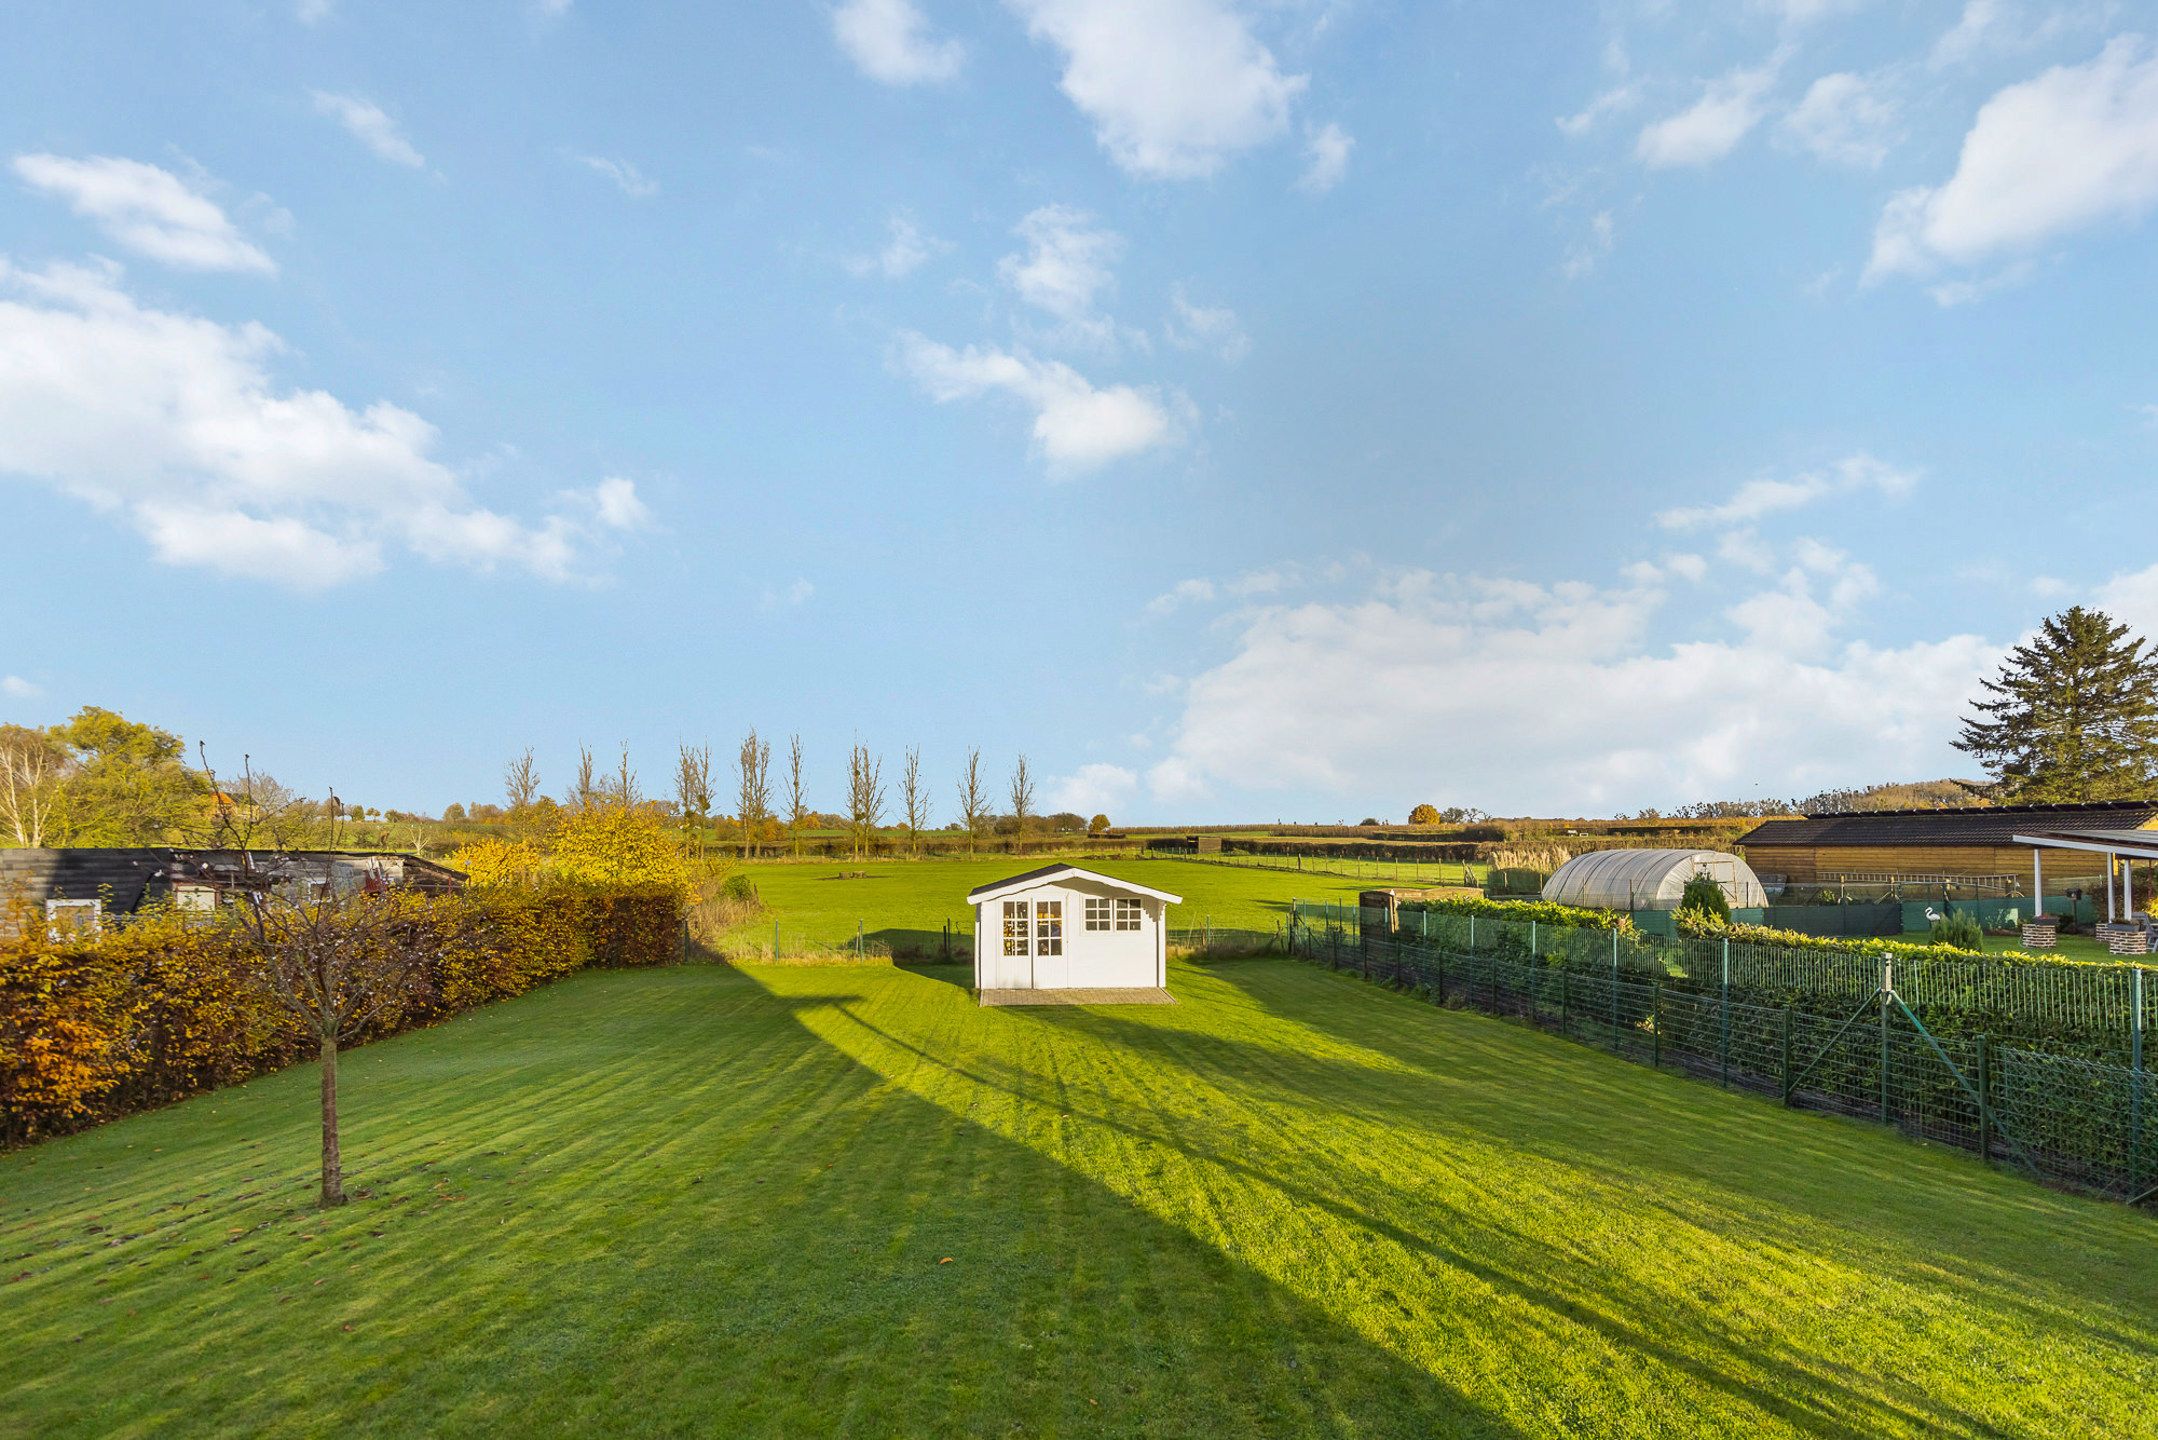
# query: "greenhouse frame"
[[1649, 879]]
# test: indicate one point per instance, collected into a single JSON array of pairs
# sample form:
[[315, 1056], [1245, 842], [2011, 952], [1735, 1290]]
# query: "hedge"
[[167, 1006]]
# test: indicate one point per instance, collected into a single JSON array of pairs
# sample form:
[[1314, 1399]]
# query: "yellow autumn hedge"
[[167, 1006]]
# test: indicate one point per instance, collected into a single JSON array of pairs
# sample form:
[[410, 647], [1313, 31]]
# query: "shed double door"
[[1029, 946]]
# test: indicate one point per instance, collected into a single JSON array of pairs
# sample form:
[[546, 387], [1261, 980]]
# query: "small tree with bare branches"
[[973, 799], [797, 797], [753, 774], [693, 787], [521, 781], [1022, 793], [865, 797], [914, 799], [585, 793], [335, 962], [622, 789]]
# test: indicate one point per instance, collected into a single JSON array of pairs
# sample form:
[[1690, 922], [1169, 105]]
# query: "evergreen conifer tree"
[[2073, 716]]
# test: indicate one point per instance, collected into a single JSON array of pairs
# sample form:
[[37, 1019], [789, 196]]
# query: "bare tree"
[[693, 786], [32, 767], [914, 800], [1022, 792], [520, 780], [797, 798], [753, 772], [335, 962], [865, 796], [586, 792], [973, 799], [623, 788]]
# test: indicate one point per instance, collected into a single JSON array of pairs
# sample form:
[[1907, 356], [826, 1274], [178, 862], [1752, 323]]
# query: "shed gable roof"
[[1988, 825], [1027, 880]]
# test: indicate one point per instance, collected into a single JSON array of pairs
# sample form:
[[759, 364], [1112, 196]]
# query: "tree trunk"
[[333, 1166]]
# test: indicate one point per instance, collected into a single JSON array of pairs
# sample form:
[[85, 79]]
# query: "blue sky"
[[1246, 410]]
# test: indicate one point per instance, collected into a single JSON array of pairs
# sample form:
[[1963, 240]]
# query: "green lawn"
[[808, 1201], [2071, 947], [902, 905]]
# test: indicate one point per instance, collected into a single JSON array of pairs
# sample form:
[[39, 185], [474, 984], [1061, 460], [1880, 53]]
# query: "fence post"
[[1888, 990], [775, 939], [947, 939], [1985, 1103], [1614, 986], [857, 939], [1723, 1041], [2135, 1093], [1655, 1023], [1786, 1052], [1441, 957], [1565, 996]]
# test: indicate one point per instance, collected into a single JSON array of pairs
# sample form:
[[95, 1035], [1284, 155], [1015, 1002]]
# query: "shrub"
[[1961, 931], [1703, 893], [165, 1006]]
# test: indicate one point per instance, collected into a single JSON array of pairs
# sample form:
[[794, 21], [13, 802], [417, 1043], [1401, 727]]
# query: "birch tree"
[[753, 774], [521, 782], [693, 786], [797, 797], [914, 800], [973, 799], [32, 768], [1022, 793], [865, 797]]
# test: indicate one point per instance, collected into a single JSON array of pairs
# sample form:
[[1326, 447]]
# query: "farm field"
[[903, 905], [845, 1200]]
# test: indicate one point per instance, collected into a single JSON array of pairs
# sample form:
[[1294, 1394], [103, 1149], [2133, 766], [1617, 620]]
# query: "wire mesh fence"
[[2068, 1119]]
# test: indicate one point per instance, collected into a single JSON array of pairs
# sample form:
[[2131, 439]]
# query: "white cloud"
[[1213, 328], [1553, 699], [1096, 789], [1066, 266], [1759, 498], [1326, 155], [313, 12], [627, 178], [1996, 27], [2071, 148], [1806, 12], [907, 248], [175, 425], [150, 211], [1195, 591], [1590, 251], [890, 41], [1077, 425], [618, 505], [793, 594], [1173, 87], [1615, 101], [1711, 127], [1844, 119], [17, 688], [369, 124]]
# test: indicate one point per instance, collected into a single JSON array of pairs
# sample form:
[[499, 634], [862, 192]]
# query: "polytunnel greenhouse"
[[1649, 879]]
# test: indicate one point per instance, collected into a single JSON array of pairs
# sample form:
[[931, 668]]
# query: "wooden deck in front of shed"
[[1081, 995]]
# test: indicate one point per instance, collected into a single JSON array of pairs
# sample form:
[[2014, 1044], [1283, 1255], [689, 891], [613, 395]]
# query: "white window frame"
[[1018, 927], [1100, 913], [55, 908], [1130, 913], [1049, 927]]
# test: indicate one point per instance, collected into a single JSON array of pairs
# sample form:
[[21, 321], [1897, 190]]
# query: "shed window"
[[1015, 927], [1127, 914], [1097, 914], [1049, 927], [73, 917]]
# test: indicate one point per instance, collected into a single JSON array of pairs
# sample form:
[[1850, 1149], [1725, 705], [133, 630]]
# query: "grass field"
[[902, 905], [845, 1200]]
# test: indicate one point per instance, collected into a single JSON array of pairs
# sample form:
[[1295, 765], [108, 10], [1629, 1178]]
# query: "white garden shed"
[[1064, 928]]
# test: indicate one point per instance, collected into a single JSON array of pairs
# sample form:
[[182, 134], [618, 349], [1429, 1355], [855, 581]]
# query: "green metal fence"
[[2064, 1118]]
